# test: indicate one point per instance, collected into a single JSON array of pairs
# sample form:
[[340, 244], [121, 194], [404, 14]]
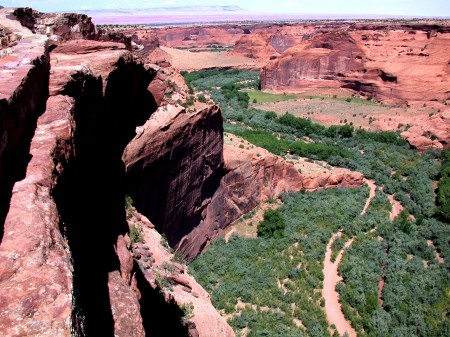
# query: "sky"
[[417, 8]]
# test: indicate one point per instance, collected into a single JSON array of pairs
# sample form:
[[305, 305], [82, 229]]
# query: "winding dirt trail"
[[373, 189], [331, 278], [330, 270], [397, 207]]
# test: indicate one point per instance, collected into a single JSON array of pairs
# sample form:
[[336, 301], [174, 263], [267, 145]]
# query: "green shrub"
[[188, 312], [202, 98], [136, 233], [273, 224]]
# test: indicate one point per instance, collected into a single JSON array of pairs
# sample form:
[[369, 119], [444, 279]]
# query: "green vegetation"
[[136, 233], [188, 312], [443, 197], [280, 272], [416, 293], [262, 97], [128, 206], [273, 224], [250, 270]]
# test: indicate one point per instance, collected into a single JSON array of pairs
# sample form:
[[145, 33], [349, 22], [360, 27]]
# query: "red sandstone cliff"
[[391, 63]]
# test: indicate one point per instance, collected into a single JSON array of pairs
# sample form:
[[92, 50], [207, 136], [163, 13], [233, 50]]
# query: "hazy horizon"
[[386, 8]]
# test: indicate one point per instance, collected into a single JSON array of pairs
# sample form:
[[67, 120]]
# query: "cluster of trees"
[[273, 224], [415, 297], [443, 198], [231, 91]]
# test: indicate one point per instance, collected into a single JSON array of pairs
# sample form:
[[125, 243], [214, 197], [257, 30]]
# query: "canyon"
[[395, 64], [91, 116]]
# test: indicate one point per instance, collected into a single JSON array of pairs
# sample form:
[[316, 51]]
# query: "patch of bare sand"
[[186, 60], [397, 207]]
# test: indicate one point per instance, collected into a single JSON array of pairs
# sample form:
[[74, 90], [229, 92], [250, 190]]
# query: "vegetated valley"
[[271, 285]]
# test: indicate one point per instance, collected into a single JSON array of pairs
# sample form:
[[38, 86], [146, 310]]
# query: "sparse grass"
[[263, 97]]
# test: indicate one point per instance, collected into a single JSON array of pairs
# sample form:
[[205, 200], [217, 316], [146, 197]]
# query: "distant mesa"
[[170, 15]]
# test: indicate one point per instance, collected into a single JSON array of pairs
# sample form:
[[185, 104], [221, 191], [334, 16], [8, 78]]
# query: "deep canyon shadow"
[[90, 193]]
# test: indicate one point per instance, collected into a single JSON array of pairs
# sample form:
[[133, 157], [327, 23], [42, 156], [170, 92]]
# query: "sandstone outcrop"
[[201, 36], [50, 284], [36, 273], [193, 197], [110, 95], [66, 257], [24, 69], [422, 131], [61, 26], [314, 63]]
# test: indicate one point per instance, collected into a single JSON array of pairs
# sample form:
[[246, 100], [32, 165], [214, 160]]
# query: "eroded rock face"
[[395, 64], [174, 166], [64, 26], [200, 36], [317, 62], [111, 98], [170, 282], [23, 93], [64, 247]]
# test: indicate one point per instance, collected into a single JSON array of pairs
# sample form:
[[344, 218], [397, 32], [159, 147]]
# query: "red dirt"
[[373, 189], [397, 207], [331, 278]]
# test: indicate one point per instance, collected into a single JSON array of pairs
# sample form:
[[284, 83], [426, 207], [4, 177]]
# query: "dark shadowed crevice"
[[90, 193], [18, 121], [161, 319]]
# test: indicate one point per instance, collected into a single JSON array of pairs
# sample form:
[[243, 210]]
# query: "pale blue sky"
[[383, 7]]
